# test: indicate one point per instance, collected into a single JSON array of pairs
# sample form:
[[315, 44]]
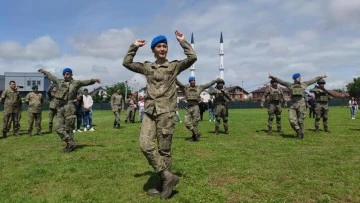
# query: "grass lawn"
[[245, 166]]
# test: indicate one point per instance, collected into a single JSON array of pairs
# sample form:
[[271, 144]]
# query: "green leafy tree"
[[118, 86], [354, 88]]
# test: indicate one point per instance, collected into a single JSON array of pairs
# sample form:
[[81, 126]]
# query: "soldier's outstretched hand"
[[179, 36], [324, 76], [140, 42], [97, 80], [41, 70]]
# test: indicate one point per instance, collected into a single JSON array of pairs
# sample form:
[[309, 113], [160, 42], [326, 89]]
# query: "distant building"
[[237, 93], [25, 81]]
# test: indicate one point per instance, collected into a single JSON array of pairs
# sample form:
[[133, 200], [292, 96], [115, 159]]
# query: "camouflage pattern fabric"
[[160, 104], [66, 96], [34, 100], [117, 105], [192, 117], [297, 110], [12, 107], [275, 97]]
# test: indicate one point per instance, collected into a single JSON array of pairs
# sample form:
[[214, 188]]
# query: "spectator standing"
[[352, 106], [311, 104], [87, 109], [141, 105], [211, 107]]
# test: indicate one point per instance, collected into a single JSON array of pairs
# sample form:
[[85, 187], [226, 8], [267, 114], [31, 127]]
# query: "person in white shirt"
[[141, 105], [87, 108]]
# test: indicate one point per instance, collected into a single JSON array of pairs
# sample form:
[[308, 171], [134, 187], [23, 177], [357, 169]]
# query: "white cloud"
[[41, 48], [108, 44]]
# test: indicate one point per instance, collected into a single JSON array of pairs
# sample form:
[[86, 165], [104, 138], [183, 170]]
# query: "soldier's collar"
[[156, 65]]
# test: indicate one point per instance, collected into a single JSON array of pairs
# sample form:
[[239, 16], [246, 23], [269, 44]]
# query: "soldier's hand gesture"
[[97, 80], [179, 36], [324, 76], [139, 42], [41, 70], [270, 76]]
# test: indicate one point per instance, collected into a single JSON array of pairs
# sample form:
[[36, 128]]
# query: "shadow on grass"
[[288, 136], [354, 129], [80, 146]]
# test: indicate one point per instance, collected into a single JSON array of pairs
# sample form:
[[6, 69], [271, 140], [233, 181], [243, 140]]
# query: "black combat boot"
[[114, 126], [316, 129], [326, 129], [300, 134], [279, 130], [70, 145], [50, 129], [226, 128], [29, 133], [270, 131], [169, 181], [4, 134]]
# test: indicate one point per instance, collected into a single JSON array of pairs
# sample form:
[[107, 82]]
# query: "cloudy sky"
[[261, 37]]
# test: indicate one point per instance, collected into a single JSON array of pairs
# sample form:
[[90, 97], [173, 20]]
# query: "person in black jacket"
[[202, 108]]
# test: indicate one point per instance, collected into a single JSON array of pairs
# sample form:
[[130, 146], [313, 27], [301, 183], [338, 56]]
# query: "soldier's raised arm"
[[314, 80], [207, 85], [129, 57], [282, 82], [188, 51], [50, 76]]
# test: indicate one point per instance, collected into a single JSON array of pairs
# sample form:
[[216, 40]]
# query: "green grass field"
[[246, 166]]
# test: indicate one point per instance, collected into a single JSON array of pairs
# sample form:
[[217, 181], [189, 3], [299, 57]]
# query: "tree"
[[354, 88], [118, 86]]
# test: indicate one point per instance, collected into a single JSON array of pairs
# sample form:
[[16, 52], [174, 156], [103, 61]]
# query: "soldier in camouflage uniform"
[[192, 115], [66, 97], [52, 106], [11, 121], [221, 100], [12, 103], [297, 110], [34, 100], [117, 105], [131, 108], [158, 123], [322, 97], [275, 96]]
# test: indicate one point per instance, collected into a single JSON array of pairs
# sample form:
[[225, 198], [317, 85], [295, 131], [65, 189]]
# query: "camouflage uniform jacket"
[[192, 92], [321, 95], [74, 86], [273, 95], [116, 100], [11, 100], [160, 88], [221, 96], [51, 96], [302, 85], [34, 100]]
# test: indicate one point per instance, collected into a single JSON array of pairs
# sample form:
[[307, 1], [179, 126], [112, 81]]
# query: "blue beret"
[[157, 40], [191, 78], [34, 87], [67, 70], [296, 75]]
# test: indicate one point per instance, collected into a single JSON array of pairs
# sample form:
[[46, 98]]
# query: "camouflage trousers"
[[297, 112], [37, 118], [274, 110], [130, 114], [117, 111], [221, 111], [321, 111], [8, 118], [192, 117], [66, 120], [156, 138], [52, 114], [11, 122]]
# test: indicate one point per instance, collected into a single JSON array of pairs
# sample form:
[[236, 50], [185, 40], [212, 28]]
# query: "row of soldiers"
[[297, 110], [13, 107]]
